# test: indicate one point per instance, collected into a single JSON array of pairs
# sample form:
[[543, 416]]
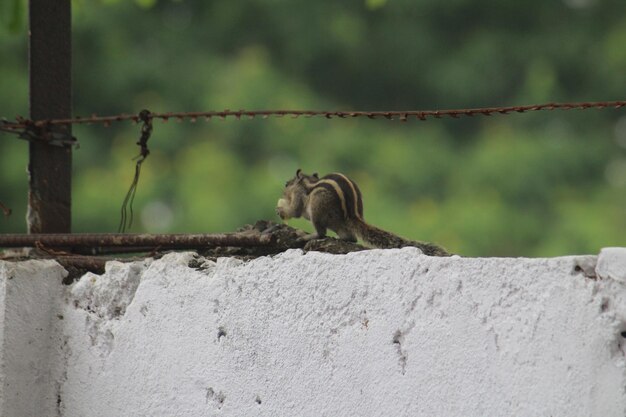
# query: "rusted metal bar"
[[94, 264], [161, 241], [50, 166]]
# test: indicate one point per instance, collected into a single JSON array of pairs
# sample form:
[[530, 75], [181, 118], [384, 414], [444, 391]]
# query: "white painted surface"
[[612, 264], [30, 304], [375, 333]]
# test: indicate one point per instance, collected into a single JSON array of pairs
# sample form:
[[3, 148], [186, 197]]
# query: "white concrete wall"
[[31, 298], [375, 333]]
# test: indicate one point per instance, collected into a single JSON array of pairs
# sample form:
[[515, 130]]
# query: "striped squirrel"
[[334, 202]]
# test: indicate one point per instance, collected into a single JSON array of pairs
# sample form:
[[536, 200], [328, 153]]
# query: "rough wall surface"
[[374, 333], [30, 304]]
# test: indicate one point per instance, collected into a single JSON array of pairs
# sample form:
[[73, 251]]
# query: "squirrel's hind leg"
[[320, 233]]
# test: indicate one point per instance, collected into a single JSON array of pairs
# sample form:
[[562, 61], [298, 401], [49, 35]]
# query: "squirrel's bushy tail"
[[379, 238]]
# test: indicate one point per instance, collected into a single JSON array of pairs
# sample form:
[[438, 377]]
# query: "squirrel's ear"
[[299, 173], [315, 175]]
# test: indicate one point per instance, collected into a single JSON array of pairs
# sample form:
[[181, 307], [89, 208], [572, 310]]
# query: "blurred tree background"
[[537, 184]]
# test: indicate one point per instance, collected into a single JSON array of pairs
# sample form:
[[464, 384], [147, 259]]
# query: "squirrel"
[[335, 202]]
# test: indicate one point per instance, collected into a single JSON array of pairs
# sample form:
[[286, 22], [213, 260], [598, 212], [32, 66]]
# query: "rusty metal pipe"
[[163, 241]]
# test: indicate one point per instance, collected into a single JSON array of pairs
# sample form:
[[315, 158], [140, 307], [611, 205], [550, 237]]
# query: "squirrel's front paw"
[[282, 209]]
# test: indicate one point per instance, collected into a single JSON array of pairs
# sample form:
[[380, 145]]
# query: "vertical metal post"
[[49, 166]]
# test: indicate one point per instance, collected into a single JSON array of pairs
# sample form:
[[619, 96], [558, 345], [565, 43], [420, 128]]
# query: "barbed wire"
[[21, 124]]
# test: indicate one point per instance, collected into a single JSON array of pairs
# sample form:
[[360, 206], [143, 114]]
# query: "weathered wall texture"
[[31, 297], [375, 333]]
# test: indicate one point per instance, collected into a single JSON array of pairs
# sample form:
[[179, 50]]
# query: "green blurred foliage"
[[539, 184], [12, 15]]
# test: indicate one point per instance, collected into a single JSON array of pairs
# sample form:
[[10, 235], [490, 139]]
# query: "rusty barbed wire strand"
[[144, 240], [402, 115]]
